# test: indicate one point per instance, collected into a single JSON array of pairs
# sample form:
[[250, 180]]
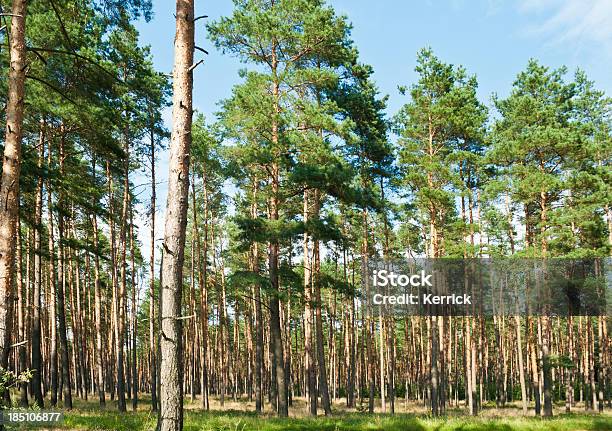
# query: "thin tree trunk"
[[112, 312], [152, 338], [52, 291], [134, 314], [21, 320], [369, 326], [258, 313], [535, 372], [323, 387], [121, 295], [61, 291], [569, 372], [98, 313], [274, 248], [309, 356], [36, 358], [435, 375], [202, 256], [521, 364]]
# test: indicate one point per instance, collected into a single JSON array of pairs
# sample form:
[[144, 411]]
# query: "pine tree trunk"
[[259, 361], [350, 365], [382, 362], [309, 356], [521, 364], [52, 277], [11, 166], [120, 297], [274, 304], [323, 386], [192, 332], [202, 280], [134, 314], [152, 338], [223, 335], [21, 319], [601, 369], [273, 260], [61, 291], [569, 372], [36, 357], [435, 375], [535, 372], [171, 391], [98, 314], [546, 367]]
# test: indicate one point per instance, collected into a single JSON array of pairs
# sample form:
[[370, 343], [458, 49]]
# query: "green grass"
[[87, 415], [240, 421]]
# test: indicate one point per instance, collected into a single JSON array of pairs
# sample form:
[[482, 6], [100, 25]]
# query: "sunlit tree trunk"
[[98, 313], [309, 356], [171, 391], [52, 280], [11, 166], [21, 319], [61, 288], [134, 315], [152, 338], [323, 386], [258, 311], [36, 356], [273, 256]]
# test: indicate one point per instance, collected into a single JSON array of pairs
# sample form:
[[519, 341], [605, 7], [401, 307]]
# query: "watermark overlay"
[[487, 287], [30, 417]]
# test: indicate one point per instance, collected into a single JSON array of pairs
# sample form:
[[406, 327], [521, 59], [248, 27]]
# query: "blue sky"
[[492, 38]]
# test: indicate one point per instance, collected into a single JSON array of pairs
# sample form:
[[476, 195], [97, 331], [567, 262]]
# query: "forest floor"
[[239, 416]]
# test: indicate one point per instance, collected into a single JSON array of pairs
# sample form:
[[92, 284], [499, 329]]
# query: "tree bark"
[[323, 386], [309, 356], [11, 166], [134, 314], [61, 290], [98, 315], [258, 312], [171, 391], [202, 255], [273, 259], [120, 297], [21, 321], [521, 365], [152, 338], [52, 278], [36, 356]]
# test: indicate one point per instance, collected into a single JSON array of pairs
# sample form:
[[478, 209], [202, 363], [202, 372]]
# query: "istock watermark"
[[488, 287], [384, 278]]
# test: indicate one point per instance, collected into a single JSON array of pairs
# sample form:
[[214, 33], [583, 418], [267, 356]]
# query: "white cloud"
[[571, 21]]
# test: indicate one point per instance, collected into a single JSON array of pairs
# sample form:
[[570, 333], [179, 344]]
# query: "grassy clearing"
[[240, 421], [239, 416]]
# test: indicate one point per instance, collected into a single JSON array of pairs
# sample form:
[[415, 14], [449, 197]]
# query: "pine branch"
[[57, 90]]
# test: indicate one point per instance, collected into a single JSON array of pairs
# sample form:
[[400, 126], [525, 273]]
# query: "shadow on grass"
[[602, 424]]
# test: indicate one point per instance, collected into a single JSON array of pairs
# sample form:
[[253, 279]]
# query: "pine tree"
[[437, 130], [171, 390], [11, 165]]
